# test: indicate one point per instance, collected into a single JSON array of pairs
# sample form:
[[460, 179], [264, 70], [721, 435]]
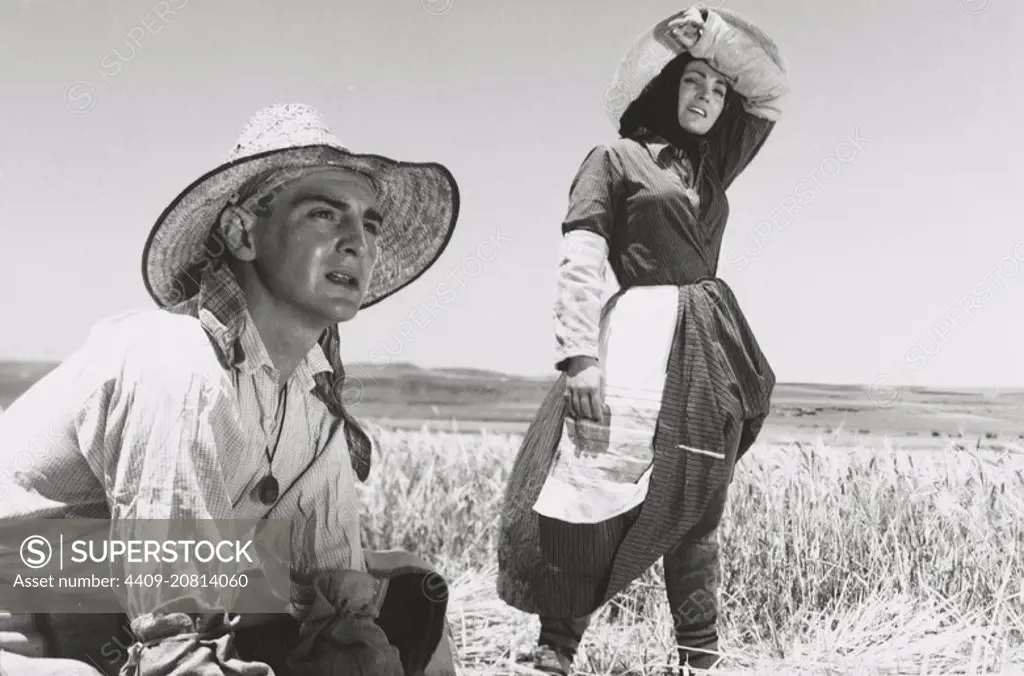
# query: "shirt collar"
[[660, 147], [663, 151], [225, 317], [314, 362]]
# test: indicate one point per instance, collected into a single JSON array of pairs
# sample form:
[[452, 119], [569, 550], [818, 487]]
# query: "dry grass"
[[834, 562]]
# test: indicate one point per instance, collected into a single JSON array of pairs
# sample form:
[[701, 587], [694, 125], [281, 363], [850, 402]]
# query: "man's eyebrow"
[[369, 214]]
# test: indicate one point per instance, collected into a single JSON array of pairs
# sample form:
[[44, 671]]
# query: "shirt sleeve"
[[736, 143], [577, 311], [593, 194], [583, 254], [155, 434], [758, 76]]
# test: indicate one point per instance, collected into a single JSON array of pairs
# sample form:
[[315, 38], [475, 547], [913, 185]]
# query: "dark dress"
[[717, 388]]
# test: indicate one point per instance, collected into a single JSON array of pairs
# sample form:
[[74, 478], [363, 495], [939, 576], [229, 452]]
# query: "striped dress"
[[717, 386]]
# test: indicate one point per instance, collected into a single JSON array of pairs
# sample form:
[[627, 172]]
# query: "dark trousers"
[[412, 617], [692, 578], [406, 614]]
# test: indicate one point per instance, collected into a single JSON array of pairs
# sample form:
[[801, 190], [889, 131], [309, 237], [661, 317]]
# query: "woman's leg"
[[559, 640], [692, 578], [588, 551], [563, 635]]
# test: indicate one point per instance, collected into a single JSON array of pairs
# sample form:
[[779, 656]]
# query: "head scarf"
[[655, 112]]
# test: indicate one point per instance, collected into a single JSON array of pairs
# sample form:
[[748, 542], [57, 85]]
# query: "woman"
[[595, 496]]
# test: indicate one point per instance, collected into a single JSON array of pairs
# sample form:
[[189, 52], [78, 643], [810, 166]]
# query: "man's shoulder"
[[147, 325], [154, 350], [178, 339]]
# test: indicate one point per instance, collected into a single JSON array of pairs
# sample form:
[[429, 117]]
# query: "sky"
[[876, 238]]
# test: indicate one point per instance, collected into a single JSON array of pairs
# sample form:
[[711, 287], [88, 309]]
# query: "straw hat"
[[419, 201], [719, 36]]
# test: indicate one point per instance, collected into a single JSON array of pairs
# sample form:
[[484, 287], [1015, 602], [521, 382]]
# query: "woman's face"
[[701, 97]]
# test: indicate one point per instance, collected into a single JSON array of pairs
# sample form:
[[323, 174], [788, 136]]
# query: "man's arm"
[[153, 432], [158, 431]]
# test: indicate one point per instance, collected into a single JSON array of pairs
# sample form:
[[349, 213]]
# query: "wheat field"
[[862, 561]]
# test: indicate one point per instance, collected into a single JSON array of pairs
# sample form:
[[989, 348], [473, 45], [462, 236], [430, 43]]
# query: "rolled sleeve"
[[588, 230], [582, 264]]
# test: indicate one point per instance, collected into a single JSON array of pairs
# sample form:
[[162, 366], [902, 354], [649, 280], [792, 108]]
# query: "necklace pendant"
[[268, 490]]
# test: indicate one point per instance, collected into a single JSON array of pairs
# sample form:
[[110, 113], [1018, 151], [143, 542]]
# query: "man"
[[227, 403]]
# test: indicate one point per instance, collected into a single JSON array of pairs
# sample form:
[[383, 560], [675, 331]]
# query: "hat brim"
[[419, 201]]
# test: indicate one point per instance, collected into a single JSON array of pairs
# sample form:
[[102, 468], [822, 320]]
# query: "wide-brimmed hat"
[[731, 44], [419, 203]]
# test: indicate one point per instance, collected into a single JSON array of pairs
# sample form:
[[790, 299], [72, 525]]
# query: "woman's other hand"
[[584, 388]]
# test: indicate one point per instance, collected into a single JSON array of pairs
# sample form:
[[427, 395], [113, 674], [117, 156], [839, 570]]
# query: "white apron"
[[602, 470]]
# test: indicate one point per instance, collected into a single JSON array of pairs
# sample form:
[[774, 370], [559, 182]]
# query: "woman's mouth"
[[698, 111], [343, 279]]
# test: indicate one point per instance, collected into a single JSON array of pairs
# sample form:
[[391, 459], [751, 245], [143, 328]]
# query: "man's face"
[[316, 248]]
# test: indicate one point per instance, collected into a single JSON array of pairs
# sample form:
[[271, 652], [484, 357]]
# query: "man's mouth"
[[343, 279], [695, 109]]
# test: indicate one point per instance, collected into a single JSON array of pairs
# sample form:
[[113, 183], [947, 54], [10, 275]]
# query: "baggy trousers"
[[692, 578]]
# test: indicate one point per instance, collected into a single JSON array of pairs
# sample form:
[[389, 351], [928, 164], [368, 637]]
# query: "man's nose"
[[353, 238]]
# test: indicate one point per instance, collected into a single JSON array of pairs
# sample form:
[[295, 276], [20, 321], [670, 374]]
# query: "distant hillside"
[[409, 395], [418, 384], [18, 376], [393, 387]]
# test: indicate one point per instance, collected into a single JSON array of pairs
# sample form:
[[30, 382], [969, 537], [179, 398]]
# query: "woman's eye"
[[372, 228], [323, 213]]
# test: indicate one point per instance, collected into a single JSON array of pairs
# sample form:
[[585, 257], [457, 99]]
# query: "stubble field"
[[855, 562], [865, 533]]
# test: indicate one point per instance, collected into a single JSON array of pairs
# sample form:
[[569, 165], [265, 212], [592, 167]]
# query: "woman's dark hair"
[[655, 111]]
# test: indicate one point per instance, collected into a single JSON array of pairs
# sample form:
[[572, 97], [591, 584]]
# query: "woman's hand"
[[584, 388], [687, 29]]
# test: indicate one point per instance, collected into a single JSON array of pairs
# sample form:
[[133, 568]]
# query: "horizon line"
[[552, 375]]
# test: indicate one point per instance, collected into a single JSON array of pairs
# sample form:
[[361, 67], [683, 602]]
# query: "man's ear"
[[236, 228]]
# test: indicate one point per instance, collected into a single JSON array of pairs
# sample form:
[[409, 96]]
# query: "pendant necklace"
[[268, 489]]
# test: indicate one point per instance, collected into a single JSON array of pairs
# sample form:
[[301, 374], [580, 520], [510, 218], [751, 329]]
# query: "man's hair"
[[215, 246]]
